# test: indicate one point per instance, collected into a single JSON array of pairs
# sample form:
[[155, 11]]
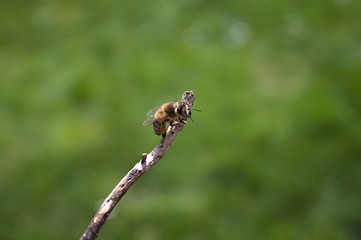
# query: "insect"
[[172, 112]]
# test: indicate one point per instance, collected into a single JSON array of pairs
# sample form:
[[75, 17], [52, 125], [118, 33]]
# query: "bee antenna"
[[191, 118], [196, 110]]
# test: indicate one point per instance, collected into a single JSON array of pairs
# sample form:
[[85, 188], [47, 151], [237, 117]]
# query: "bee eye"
[[179, 110]]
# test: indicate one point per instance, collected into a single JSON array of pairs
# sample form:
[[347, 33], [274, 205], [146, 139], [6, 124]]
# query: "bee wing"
[[152, 111], [148, 121], [150, 115]]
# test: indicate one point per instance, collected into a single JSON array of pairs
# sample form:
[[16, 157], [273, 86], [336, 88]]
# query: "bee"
[[172, 112]]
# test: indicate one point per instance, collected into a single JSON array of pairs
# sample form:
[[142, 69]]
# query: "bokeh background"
[[275, 154]]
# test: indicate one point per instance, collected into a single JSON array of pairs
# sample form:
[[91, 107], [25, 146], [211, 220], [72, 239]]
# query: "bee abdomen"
[[157, 127]]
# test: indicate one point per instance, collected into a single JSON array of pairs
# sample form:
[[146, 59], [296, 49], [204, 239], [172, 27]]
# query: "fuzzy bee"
[[172, 112]]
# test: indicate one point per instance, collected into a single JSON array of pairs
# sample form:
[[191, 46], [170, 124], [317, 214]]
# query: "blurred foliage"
[[275, 154]]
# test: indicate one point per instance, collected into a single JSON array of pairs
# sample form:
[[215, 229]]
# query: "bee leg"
[[174, 122], [163, 130], [183, 121]]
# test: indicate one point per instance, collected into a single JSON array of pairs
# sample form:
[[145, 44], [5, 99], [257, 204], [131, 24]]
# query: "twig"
[[147, 161]]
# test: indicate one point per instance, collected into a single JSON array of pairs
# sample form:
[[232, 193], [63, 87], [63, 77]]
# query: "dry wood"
[[147, 161]]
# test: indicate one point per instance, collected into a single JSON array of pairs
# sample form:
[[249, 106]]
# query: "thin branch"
[[147, 161]]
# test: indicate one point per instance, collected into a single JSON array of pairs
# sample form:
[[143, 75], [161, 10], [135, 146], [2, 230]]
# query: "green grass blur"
[[275, 153]]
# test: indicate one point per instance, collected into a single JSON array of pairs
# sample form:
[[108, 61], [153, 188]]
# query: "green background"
[[275, 153]]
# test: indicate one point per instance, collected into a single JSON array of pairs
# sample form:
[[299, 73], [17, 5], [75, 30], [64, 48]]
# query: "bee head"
[[183, 110]]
